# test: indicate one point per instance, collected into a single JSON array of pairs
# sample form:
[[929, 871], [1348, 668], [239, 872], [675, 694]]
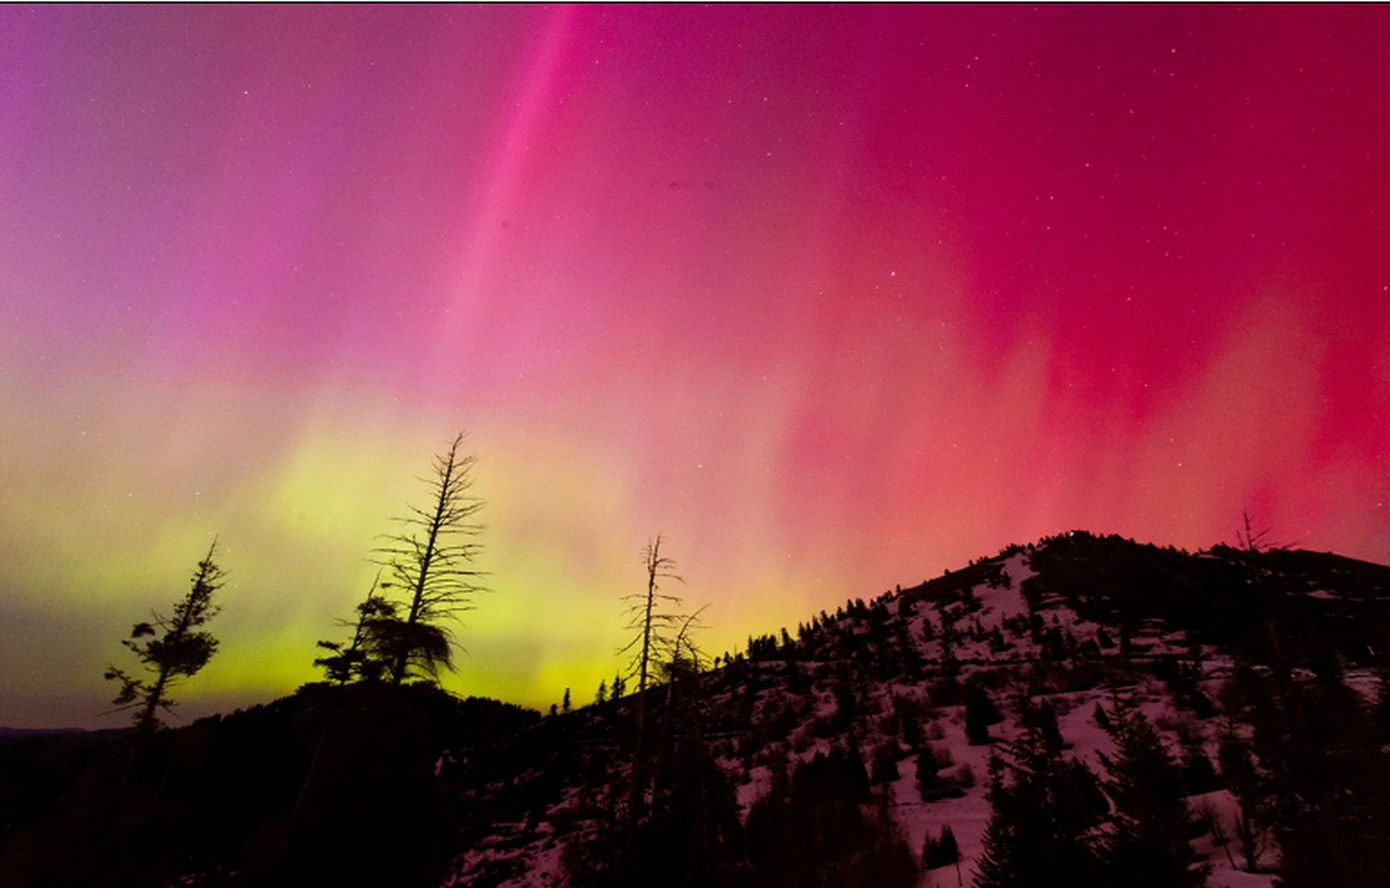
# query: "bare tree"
[[181, 651], [653, 620], [651, 616], [430, 560], [1252, 540]]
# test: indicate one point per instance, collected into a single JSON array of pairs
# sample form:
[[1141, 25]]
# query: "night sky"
[[834, 298]]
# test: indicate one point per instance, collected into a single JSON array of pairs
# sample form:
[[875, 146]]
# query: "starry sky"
[[834, 298]]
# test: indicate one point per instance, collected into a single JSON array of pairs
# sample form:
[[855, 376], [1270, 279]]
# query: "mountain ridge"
[[871, 716]]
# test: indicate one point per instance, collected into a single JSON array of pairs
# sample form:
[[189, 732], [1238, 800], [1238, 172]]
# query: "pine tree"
[[980, 713], [1044, 816], [1239, 774], [1327, 779], [601, 696], [1197, 772], [1042, 717], [360, 659], [430, 562], [182, 650], [885, 763], [1147, 846]]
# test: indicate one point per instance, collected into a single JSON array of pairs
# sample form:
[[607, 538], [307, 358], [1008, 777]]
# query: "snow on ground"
[[968, 815], [1224, 871], [759, 782], [1365, 682], [1005, 602]]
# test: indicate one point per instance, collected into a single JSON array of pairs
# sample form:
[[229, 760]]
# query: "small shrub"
[[942, 851], [964, 776]]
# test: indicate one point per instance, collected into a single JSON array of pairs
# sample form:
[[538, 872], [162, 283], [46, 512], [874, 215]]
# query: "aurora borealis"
[[835, 298]]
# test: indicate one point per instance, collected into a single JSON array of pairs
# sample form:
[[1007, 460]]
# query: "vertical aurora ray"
[[834, 298]]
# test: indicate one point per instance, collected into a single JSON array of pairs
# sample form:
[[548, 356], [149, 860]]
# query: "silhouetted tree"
[[942, 850], [1198, 775], [885, 763], [814, 830], [565, 703], [690, 836], [654, 623], [1327, 779], [359, 659], [182, 649], [949, 666], [1045, 812], [1147, 844], [1249, 822], [1042, 717], [980, 713], [430, 562], [601, 696], [685, 661]]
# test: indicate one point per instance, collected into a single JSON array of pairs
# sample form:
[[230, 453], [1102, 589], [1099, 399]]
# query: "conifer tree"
[[1249, 822], [1326, 773], [980, 713], [359, 658], [1197, 772], [1045, 811], [181, 651], [942, 850], [1043, 717], [885, 763], [430, 562], [1147, 846]]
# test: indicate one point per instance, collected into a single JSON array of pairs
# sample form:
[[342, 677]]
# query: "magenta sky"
[[836, 298]]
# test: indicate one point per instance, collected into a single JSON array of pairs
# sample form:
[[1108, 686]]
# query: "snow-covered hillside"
[[1071, 622]]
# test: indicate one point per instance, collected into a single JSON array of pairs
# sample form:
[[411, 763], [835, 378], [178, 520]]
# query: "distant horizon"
[[206, 706], [830, 297]]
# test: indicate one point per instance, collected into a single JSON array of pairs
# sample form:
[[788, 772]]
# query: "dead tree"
[[429, 561], [653, 620]]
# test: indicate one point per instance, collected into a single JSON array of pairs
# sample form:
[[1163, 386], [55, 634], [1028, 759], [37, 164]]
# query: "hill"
[[833, 755]]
